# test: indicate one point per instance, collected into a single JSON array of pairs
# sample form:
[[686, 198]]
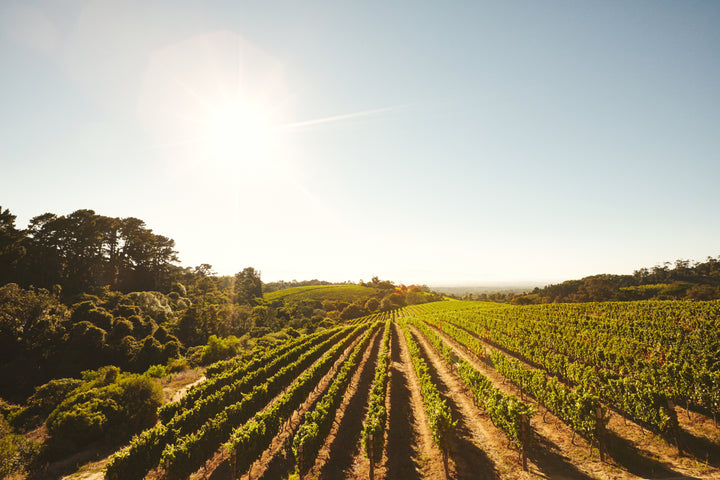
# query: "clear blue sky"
[[432, 142]]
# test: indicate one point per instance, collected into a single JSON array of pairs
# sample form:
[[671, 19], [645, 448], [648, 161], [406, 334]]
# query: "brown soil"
[[178, 384], [478, 448], [278, 460], [342, 454], [426, 454], [554, 455], [402, 449], [633, 451], [281, 461]]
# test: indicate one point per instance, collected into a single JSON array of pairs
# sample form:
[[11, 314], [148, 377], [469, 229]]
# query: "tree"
[[11, 248], [84, 249], [372, 305], [248, 285]]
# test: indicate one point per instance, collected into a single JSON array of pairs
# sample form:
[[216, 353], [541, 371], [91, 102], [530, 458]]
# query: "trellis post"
[[600, 432], [524, 439], [372, 456]]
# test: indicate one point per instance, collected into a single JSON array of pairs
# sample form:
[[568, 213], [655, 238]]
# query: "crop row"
[[506, 412], [251, 439], [147, 449], [237, 379], [376, 417], [317, 422], [438, 412]]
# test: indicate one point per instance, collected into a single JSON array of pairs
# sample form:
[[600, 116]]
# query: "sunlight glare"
[[239, 130]]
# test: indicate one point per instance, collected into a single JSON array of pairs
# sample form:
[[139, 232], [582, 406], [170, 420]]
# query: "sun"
[[220, 108], [240, 130]]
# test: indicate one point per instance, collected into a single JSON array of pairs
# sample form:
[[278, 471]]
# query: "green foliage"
[[219, 349], [372, 305], [505, 411], [376, 417], [697, 281], [156, 371], [32, 324], [439, 416], [12, 251], [176, 365], [45, 399], [109, 406], [353, 311], [248, 285], [225, 402], [316, 425], [16, 451], [253, 437], [333, 293]]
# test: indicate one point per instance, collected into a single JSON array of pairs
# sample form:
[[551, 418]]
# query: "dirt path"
[[401, 445], [174, 394], [342, 453], [632, 453], [554, 454], [425, 461], [175, 388], [479, 449]]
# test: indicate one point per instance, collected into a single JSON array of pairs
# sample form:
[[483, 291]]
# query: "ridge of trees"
[[681, 280], [82, 250]]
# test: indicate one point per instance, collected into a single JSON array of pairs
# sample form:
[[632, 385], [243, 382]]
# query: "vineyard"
[[457, 390]]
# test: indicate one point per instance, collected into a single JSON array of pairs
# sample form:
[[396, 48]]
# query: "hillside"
[[338, 292], [457, 390]]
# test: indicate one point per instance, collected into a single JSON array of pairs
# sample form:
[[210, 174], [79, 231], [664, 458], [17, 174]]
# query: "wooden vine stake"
[[674, 424], [233, 464], [445, 461], [524, 439], [300, 460], [167, 467], [600, 433], [372, 456]]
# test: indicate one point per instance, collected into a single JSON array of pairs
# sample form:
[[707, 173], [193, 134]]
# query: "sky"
[[462, 142]]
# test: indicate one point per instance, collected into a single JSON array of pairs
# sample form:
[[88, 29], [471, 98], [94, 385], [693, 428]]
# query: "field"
[[458, 390], [345, 293]]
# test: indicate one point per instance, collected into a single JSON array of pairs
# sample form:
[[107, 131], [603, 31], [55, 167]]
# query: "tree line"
[[82, 250], [680, 280]]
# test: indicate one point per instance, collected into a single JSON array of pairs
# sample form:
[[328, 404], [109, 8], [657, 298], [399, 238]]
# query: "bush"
[[121, 329], [176, 365], [109, 406], [156, 371], [101, 318], [84, 422], [15, 451], [45, 399], [219, 349]]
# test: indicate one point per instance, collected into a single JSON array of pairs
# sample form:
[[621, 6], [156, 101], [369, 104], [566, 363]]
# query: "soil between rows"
[[426, 455], [277, 458], [634, 451], [343, 448]]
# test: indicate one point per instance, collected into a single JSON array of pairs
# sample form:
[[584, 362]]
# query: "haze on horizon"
[[470, 143]]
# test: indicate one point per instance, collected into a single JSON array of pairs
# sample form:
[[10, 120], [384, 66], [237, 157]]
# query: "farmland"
[[459, 390], [347, 293]]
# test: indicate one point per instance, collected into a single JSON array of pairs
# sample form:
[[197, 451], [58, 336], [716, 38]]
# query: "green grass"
[[346, 293]]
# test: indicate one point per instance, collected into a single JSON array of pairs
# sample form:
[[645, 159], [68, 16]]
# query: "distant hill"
[[339, 292], [463, 290], [683, 280]]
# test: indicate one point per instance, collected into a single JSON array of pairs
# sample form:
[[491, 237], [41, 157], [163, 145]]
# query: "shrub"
[[45, 399], [156, 371], [219, 349], [175, 365], [109, 406]]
